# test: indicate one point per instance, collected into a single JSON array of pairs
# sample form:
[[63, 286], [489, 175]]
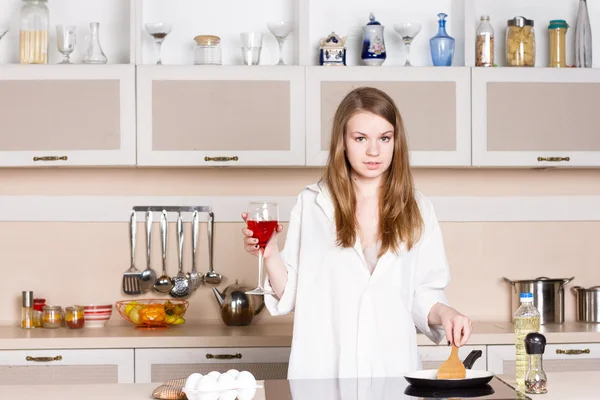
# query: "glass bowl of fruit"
[[152, 313]]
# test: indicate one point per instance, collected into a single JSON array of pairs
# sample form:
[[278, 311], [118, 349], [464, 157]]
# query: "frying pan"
[[428, 378]]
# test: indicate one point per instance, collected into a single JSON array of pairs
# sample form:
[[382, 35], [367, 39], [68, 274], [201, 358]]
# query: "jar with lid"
[[74, 318], [520, 43], [207, 50], [53, 317], [38, 311], [33, 42], [484, 52], [557, 31]]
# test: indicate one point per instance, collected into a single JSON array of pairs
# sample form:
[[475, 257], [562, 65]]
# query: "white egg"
[[207, 383], [207, 396], [216, 374], [246, 394], [228, 395], [192, 381], [233, 372], [245, 380], [226, 382]]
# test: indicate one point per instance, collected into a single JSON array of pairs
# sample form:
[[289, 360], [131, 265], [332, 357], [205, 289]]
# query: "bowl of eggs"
[[230, 385]]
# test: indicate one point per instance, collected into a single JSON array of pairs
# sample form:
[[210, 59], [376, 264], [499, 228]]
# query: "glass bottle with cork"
[[526, 320]]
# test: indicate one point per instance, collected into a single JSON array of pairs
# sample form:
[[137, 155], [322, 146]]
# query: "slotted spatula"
[[131, 277], [452, 368]]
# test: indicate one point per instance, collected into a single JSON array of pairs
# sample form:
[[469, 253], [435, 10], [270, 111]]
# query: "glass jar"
[[33, 42], [53, 317], [520, 43], [484, 52], [557, 30], [207, 50], [74, 317], [38, 311]]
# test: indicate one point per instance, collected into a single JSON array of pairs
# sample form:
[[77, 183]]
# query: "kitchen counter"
[[219, 335], [562, 385]]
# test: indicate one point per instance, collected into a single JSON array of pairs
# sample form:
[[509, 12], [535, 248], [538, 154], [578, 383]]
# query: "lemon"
[[130, 306], [134, 314], [178, 321]]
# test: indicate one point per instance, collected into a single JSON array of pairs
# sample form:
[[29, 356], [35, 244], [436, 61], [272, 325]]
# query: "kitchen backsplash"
[[82, 263]]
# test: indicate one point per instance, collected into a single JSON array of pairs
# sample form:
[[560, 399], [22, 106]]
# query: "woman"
[[364, 261]]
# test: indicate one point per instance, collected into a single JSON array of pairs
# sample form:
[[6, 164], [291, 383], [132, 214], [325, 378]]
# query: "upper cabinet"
[[220, 116], [434, 104], [536, 117]]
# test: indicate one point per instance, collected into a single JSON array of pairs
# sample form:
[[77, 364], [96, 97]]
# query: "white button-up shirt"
[[347, 322]]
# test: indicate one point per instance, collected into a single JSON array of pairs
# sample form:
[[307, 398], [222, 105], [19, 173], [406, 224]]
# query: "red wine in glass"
[[262, 220]]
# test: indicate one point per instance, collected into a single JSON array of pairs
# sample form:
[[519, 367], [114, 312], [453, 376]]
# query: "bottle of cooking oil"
[[526, 320]]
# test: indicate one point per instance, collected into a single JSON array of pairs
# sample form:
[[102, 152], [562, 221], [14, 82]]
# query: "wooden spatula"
[[452, 368]]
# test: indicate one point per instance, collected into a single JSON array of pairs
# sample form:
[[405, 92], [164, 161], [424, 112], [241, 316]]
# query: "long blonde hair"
[[399, 218]]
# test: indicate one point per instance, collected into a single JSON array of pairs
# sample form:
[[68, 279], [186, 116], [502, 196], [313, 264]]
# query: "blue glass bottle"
[[442, 45]]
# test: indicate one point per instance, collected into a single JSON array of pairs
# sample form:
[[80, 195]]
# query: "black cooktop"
[[380, 389]]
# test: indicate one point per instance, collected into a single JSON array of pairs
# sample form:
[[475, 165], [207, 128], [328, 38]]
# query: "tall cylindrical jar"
[[33, 44], [520, 43], [557, 30], [484, 52]]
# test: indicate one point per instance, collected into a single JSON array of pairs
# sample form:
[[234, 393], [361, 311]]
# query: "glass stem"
[[407, 63], [260, 268], [158, 46], [280, 41]]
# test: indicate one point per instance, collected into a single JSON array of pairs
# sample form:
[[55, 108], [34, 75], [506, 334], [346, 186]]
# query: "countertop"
[[219, 335], [561, 385]]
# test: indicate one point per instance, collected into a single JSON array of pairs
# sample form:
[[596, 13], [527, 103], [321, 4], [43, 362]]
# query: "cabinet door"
[[433, 357], [539, 117], [434, 104], [233, 115], [67, 115], [159, 365], [557, 357], [57, 367]]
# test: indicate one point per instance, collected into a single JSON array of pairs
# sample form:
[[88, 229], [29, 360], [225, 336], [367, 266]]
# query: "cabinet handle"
[[43, 359], [224, 356], [50, 158], [234, 158], [555, 159], [573, 352]]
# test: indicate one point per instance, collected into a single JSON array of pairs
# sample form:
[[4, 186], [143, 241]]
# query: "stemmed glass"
[[407, 31], [65, 41], [159, 31], [262, 220], [281, 30]]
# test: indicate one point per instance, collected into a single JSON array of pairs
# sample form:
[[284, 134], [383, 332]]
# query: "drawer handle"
[[50, 158], [43, 359], [224, 356], [573, 352], [234, 158], [555, 159]]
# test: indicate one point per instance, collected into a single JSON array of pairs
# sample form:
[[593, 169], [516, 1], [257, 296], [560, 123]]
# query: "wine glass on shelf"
[[262, 220], [407, 31], [65, 41], [281, 30], [159, 31]]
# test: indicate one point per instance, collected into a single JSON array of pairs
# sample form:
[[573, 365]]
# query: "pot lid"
[[544, 279], [592, 289]]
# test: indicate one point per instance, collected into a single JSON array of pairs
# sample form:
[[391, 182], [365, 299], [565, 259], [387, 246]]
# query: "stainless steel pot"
[[548, 297], [588, 303]]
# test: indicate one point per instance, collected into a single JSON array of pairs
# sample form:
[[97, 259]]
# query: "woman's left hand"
[[457, 326]]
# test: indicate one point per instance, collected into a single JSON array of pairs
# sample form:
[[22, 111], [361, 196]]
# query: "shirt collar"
[[323, 198]]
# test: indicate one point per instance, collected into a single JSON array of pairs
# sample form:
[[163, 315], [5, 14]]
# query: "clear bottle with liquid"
[[526, 320]]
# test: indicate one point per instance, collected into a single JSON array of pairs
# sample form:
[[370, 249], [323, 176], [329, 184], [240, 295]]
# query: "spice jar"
[[484, 52], [33, 43], [557, 30], [52, 316], [207, 50], [535, 380], [27, 309], [520, 43], [38, 311], [74, 317]]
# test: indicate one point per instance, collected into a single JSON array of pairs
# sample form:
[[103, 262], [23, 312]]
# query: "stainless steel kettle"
[[238, 308]]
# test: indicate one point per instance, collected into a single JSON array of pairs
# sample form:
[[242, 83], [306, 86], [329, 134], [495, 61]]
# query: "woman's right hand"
[[251, 244]]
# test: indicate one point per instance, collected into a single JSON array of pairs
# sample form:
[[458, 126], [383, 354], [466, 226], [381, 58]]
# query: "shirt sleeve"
[[290, 256], [432, 275]]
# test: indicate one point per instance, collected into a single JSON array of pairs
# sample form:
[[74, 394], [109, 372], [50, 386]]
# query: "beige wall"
[[82, 262]]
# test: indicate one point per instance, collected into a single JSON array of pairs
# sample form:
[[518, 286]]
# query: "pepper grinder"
[[535, 380]]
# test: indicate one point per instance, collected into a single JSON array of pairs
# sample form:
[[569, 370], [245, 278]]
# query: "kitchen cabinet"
[[434, 104], [55, 367], [557, 357], [67, 115], [535, 117], [220, 116], [159, 365], [432, 357]]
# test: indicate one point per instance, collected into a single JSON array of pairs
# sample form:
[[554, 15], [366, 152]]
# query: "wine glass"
[[159, 31], [281, 30], [262, 220], [407, 31], [65, 41]]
